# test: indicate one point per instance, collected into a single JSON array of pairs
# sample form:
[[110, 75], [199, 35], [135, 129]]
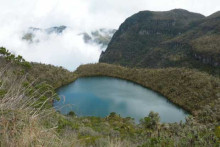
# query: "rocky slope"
[[176, 38]]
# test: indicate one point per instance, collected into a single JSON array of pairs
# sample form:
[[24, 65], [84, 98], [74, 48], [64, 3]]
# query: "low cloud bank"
[[66, 49]]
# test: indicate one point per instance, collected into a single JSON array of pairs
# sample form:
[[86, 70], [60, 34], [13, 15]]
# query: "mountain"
[[56, 29], [101, 37], [30, 34], [176, 38]]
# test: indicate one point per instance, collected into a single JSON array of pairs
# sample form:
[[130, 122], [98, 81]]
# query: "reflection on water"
[[99, 96]]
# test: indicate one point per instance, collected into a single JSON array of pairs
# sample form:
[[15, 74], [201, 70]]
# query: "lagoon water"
[[99, 96]]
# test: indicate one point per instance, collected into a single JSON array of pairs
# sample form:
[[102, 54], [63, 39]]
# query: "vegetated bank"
[[187, 88], [27, 117]]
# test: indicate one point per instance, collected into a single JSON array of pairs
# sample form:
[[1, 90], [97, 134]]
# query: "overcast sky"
[[69, 50]]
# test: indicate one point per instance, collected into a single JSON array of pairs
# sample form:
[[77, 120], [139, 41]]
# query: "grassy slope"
[[55, 76]]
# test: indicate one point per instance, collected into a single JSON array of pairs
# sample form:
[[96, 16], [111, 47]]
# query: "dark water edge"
[[99, 96]]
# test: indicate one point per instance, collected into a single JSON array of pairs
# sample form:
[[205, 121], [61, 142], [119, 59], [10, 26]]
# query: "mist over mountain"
[[59, 45], [100, 37], [30, 34], [69, 47]]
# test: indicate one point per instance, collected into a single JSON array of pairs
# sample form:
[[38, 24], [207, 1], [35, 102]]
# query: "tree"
[[3, 51], [19, 59], [150, 122]]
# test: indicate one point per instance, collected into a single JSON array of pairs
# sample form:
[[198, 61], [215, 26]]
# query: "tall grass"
[[23, 122], [20, 121]]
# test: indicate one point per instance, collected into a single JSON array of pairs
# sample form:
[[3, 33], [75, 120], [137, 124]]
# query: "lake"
[[99, 96]]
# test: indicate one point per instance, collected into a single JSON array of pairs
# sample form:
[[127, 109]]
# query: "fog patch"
[[66, 49]]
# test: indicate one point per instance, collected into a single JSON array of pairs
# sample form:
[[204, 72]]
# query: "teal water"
[[99, 96]]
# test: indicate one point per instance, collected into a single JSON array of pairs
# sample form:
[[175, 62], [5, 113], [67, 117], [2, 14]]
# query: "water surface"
[[99, 96]]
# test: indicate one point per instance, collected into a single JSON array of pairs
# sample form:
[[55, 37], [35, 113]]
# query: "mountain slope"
[[166, 39], [204, 40]]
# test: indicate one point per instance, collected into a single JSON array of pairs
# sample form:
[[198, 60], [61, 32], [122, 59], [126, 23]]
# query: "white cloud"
[[68, 49]]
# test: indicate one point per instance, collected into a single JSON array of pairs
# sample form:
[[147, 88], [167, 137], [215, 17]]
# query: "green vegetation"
[[175, 38], [13, 59], [55, 76], [27, 117], [195, 91]]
